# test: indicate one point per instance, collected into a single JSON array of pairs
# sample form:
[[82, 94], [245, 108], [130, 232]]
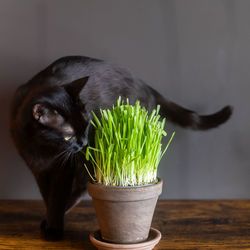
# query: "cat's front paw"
[[50, 234]]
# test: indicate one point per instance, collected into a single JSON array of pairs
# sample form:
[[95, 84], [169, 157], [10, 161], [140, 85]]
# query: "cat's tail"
[[190, 119]]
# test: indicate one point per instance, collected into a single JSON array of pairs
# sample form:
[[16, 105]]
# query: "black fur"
[[50, 121]]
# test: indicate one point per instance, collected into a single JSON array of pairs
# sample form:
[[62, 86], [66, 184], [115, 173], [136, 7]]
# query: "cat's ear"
[[75, 87], [45, 115]]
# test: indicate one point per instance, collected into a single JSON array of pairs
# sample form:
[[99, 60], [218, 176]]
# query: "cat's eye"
[[66, 138]]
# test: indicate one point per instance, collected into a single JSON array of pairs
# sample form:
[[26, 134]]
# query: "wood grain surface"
[[184, 225]]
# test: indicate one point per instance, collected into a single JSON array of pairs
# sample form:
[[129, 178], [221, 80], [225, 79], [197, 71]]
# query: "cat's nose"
[[84, 142]]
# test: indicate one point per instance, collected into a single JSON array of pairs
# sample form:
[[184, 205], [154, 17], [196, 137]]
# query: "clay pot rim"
[[157, 181], [112, 193], [141, 245]]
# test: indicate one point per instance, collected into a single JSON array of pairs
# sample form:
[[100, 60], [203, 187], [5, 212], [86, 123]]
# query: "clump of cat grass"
[[128, 145]]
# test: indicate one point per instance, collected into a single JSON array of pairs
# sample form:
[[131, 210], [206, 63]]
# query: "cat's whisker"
[[60, 154], [62, 157], [67, 156], [72, 160]]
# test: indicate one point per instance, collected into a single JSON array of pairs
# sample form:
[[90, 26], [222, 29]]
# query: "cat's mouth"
[[76, 149]]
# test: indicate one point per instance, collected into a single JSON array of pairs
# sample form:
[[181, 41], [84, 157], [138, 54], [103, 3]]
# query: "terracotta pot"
[[125, 214]]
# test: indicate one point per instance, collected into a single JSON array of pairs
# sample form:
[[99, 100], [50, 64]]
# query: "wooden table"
[[184, 225]]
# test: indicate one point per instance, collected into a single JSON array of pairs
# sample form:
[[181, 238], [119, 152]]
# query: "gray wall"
[[197, 53]]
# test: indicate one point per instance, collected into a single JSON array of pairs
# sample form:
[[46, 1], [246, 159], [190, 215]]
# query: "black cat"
[[50, 124]]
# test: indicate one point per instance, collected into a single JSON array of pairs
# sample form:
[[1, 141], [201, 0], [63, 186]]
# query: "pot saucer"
[[153, 239]]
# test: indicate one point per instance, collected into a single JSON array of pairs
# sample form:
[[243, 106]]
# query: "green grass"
[[128, 145]]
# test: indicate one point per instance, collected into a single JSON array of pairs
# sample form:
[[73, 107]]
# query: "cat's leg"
[[56, 198], [62, 188], [75, 198], [48, 234], [79, 186], [43, 182], [67, 192]]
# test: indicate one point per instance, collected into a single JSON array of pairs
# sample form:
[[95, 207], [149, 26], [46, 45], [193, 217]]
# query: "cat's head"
[[59, 119]]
